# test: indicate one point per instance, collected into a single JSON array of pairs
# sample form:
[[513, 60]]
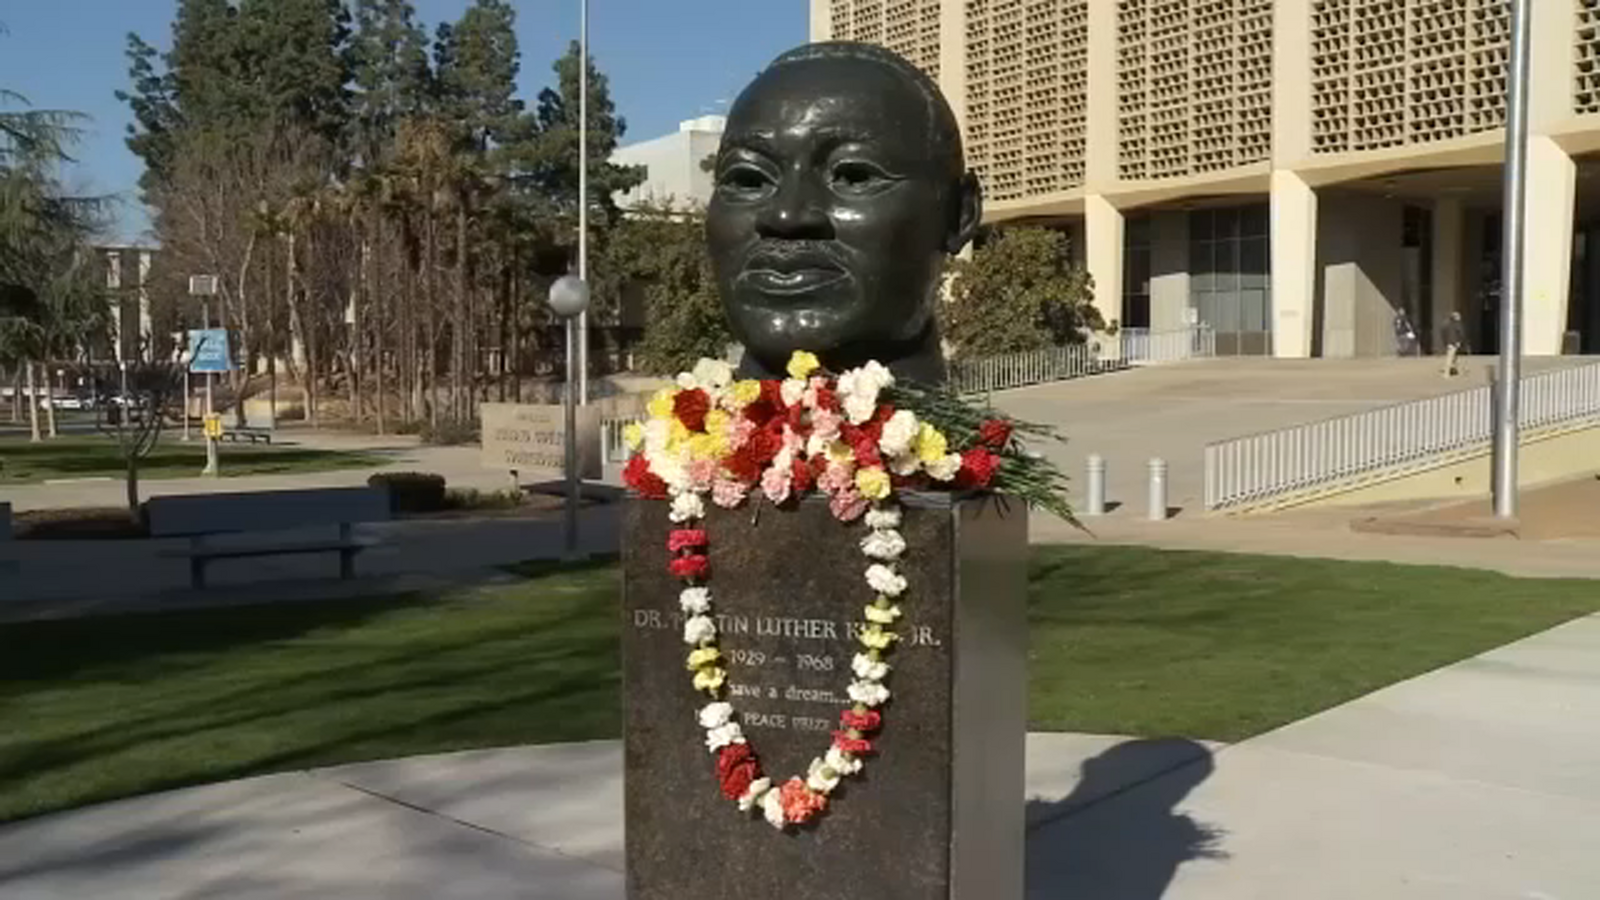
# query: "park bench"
[[201, 517], [253, 435]]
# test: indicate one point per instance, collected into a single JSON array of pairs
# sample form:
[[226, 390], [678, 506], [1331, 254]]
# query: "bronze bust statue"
[[840, 188]]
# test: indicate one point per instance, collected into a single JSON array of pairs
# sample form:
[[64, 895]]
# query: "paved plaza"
[[1475, 782]]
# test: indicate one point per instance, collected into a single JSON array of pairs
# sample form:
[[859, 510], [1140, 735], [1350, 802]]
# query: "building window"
[[1136, 272], [1230, 274]]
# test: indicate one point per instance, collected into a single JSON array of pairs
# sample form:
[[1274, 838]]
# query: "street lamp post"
[[569, 298], [583, 200], [1508, 384]]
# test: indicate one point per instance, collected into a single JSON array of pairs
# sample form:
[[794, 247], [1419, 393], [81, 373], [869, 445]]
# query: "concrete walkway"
[[1475, 781]]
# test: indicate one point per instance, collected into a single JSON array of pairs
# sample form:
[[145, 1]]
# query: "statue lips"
[[792, 268]]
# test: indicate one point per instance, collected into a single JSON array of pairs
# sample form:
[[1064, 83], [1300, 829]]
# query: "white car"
[[74, 403]]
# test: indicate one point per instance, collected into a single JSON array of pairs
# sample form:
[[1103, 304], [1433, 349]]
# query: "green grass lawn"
[[1125, 640], [22, 462]]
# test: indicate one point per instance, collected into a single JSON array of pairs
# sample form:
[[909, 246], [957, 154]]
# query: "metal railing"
[[1261, 467], [1141, 346], [1131, 346], [613, 449]]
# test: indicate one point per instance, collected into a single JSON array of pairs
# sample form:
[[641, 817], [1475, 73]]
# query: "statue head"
[[840, 188]]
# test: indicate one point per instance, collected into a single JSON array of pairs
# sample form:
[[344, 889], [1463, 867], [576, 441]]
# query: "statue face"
[[832, 211]]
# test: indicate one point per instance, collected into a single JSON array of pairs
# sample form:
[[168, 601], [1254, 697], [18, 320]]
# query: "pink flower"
[[739, 432], [825, 424], [848, 505], [837, 477], [775, 483], [727, 493], [701, 472], [792, 442]]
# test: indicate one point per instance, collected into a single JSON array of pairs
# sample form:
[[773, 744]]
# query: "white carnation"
[[699, 629], [899, 432], [712, 373], [904, 464], [670, 468], [817, 445], [868, 693], [822, 777], [885, 580], [883, 516], [695, 600], [716, 715], [772, 808], [754, 793], [868, 669], [657, 432], [842, 762], [883, 544], [859, 408], [686, 506], [792, 390], [946, 468], [877, 375], [687, 381], [723, 735]]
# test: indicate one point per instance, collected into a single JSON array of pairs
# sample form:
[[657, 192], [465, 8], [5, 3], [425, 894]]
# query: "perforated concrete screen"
[[1194, 86], [1388, 73], [1586, 57], [908, 27], [1027, 94]]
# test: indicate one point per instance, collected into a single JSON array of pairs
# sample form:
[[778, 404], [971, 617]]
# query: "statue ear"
[[968, 214]]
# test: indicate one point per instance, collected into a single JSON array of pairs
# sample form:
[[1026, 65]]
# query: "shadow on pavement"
[[1118, 836]]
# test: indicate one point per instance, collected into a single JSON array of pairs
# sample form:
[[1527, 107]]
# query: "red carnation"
[[745, 464], [828, 399], [692, 566], [977, 468], [995, 433], [637, 475], [860, 721], [801, 476], [691, 407], [685, 538], [737, 767], [854, 746]]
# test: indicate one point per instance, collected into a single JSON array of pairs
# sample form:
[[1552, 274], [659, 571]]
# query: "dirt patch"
[[1553, 512]]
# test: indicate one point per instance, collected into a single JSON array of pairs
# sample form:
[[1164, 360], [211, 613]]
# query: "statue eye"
[[744, 179], [856, 177]]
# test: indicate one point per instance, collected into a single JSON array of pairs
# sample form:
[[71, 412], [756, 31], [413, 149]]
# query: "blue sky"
[[668, 60]]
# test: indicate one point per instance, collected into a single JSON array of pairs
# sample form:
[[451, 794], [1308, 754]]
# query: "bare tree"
[[135, 418]]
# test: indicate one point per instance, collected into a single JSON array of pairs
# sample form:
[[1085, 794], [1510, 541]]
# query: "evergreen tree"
[[555, 165]]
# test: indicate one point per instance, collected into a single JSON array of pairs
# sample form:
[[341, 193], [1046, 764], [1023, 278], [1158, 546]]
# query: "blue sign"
[[208, 351]]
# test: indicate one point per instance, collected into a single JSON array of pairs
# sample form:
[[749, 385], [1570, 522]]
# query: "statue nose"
[[796, 213]]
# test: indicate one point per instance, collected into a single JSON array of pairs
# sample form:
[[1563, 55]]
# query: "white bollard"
[[1097, 486], [1158, 490]]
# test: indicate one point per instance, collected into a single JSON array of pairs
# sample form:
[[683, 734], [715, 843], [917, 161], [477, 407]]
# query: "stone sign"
[[522, 437], [938, 811]]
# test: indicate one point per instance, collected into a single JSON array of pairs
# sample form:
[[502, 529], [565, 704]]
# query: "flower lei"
[[717, 438]]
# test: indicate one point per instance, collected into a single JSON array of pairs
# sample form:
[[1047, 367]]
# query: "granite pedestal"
[[938, 811]]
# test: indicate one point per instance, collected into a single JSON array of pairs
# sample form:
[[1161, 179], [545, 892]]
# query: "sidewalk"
[[1326, 534], [1476, 781]]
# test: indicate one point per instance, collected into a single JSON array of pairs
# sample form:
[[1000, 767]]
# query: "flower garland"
[[717, 439]]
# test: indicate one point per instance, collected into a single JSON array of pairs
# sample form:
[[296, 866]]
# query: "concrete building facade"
[[1297, 174], [674, 177]]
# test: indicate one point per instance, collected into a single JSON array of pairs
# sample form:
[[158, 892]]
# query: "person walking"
[[1455, 341]]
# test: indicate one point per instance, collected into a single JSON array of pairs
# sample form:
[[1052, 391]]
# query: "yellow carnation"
[[660, 405], [717, 422], [802, 364], [746, 392], [633, 435], [702, 657], [840, 452], [710, 679], [873, 483], [931, 444], [676, 437]]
